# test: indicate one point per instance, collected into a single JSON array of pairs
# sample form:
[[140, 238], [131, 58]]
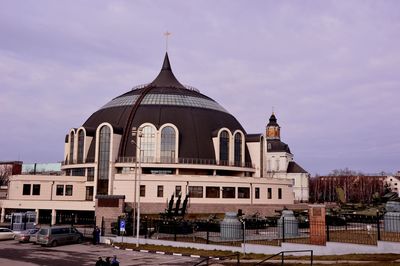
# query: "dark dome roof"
[[275, 145], [166, 100]]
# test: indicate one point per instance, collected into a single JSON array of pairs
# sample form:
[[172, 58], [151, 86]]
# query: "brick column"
[[317, 224], [109, 207]]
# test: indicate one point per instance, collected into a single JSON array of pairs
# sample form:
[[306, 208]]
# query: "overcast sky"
[[330, 70]]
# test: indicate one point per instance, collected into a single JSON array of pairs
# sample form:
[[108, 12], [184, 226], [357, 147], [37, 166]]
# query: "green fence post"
[[327, 230], [378, 225]]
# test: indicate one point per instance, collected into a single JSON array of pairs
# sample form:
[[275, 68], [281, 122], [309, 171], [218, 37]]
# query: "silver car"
[[6, 233], [58, 235], [25, 236]]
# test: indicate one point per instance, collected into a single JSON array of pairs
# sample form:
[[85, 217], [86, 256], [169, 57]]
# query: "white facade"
[[277, 167], [245, 183], [280, 163], [143, 147], [393, 183]]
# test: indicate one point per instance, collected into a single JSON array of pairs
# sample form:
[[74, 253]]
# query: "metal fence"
[[269, 231], [263, 231]]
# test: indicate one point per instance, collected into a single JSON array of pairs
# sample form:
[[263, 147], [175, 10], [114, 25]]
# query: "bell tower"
[[273, 130]]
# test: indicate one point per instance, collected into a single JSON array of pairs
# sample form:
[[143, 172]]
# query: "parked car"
[[33, 238], [25, 236], [58, 235], [6, 233]]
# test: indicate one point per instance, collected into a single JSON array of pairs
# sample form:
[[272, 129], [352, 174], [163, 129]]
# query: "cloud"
[[329, 69]]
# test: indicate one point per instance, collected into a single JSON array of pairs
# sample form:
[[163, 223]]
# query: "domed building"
[[162, 139]]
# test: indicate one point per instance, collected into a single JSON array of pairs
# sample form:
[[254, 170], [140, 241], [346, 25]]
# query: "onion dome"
[[166, 100]]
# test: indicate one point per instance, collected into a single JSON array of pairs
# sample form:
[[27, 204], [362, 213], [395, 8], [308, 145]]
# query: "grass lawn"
[[380, 259]]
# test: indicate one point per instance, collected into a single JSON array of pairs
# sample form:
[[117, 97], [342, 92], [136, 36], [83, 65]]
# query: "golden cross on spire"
[[166, 34]]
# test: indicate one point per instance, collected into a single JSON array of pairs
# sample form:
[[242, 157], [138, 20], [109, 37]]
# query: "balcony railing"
[[68, 162], [196, 161]]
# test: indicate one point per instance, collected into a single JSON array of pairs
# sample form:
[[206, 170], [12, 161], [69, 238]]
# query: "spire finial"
[[273, 110], [166, 34]]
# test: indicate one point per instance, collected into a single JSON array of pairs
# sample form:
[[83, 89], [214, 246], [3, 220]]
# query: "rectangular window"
[[36, 189], [178, 190], [89, 193], [60, 190], [78, 172], [195, 191], [228, 192], [212, 192], [26, 190], [269, 193], [257, 193], [160, 191], [68, 190], [142, 190], [243, 192], [90, 174], [279, 193]]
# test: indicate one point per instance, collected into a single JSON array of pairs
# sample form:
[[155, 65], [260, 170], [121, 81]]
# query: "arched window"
[[168, 140], [238, 149], [71, 147], [104, 153], [148, 144], [224, 147], [81, 141]]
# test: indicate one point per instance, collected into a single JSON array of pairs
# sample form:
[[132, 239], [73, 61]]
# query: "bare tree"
[[5, 172]]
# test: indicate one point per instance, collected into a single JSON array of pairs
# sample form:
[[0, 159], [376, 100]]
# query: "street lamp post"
[[138, 133], [139, 179]]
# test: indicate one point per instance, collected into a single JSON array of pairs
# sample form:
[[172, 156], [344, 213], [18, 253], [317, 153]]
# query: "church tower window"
[[148, 144], [71, 147], [238, 149], [81, 140], [224, 147], [104, 160], [168, 141]]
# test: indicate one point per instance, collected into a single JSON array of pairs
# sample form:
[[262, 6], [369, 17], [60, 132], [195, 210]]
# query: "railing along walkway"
[[282, 254], [208, 259]]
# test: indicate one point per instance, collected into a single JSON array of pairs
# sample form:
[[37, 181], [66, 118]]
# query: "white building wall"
[[254, 152], [48, 185], [394, 183], [124, 185]]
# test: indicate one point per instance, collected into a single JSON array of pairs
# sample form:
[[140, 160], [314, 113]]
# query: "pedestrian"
[[100, 262], [114, 261], [97, 235], [94, 236], [108, 261]]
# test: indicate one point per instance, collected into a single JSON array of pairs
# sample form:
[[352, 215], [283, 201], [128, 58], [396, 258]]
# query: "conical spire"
[[272, 120], [166, 65], [166, 78]]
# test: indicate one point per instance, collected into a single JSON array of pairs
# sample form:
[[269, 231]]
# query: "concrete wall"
[[331, 248]]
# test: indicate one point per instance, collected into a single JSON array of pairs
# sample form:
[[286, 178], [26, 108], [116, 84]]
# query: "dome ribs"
[[127, 131]]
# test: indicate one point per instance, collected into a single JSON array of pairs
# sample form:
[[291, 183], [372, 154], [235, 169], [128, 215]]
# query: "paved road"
[[26, 254]]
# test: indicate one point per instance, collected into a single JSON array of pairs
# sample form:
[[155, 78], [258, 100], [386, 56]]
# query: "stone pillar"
[[3, 214], [37, 216], [53, 217], [317, 224]]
